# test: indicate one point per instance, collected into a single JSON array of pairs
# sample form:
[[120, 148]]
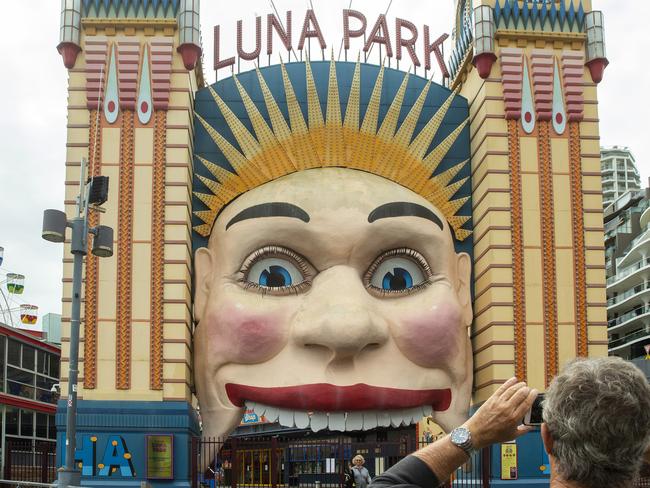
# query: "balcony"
[[623, 273], [629, 339], [643, 235], [634, 249], [637, 290], [644, 221], [628, 318]]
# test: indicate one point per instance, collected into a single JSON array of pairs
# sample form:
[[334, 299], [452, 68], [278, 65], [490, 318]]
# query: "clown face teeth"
[[383, 419], [340, 421], [396, 418], [412, 415], [286, 417], [301, 419], [354, 421], [271, 413], [318, 421], [337, 421], [369, 420], [427, 410]]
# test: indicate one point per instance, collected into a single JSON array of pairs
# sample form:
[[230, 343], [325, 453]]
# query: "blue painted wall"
[[102, 423], [531, 457]]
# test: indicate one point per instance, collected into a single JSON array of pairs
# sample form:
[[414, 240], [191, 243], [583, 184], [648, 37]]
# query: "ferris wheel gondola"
[[13, 311]]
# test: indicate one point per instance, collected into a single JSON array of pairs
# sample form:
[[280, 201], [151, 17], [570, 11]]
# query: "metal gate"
[[307, 463], [30, 461]]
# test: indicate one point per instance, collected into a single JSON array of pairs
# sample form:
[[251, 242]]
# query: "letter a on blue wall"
[[116, 456]]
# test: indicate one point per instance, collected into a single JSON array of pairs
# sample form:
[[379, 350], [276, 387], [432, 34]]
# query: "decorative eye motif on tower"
[[528, 114], [112, 100], [559, 113], [144, 104], [543, 87]]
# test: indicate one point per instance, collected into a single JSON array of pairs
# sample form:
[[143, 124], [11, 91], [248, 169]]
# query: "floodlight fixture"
[[103, 241], [54, 225]]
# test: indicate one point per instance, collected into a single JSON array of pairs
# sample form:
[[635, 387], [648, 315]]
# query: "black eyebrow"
[[272, 209], [403, 209]]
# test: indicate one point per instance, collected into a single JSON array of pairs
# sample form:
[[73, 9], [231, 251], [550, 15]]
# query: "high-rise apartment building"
[[627, 244], [619, 173]]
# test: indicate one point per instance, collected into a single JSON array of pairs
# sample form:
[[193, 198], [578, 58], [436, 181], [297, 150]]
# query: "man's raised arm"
[[498, 420]]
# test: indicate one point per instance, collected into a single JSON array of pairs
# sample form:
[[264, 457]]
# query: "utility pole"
[[92, 194]]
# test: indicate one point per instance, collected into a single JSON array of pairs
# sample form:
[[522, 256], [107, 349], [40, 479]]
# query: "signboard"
[[251, 418], [396, 39], [509, 461], [160, 457]]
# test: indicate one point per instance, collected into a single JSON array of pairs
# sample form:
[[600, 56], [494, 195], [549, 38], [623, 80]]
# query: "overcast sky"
[[34, 97]]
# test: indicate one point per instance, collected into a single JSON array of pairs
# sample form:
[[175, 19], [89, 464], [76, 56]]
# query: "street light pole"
[[54, 224], [68, 475]]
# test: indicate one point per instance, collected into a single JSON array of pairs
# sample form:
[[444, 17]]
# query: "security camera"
[[56, 388]]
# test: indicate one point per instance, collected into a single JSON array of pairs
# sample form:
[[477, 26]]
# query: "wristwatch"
[[462, 438]]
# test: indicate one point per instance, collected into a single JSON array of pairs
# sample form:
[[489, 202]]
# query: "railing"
[[637, 239], [630, 293], [643, 309], [28, 484], [627, 271], [301, 462], [629, 338], [26, 461]]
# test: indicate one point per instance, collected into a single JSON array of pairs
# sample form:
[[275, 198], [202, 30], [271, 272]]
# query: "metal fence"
[[306, 463], [29, 461]]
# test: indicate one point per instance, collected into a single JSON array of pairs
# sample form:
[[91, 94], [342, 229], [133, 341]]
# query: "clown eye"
[[400, 271], [276, 270]]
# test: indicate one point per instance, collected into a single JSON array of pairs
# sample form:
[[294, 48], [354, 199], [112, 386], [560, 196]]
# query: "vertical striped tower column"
[[493, 330], [130, 106], [538, 233]]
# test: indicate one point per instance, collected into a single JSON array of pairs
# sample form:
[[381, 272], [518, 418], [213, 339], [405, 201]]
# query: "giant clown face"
[[332, 298]]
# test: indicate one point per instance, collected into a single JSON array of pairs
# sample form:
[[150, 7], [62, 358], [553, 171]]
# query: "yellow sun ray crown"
[[286, 147]]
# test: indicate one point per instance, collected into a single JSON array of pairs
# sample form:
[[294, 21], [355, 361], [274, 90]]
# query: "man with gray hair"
[[596, 430], [596, 424]]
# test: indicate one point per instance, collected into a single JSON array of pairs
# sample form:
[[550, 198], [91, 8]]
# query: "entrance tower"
[[530, 71], [133, 70]]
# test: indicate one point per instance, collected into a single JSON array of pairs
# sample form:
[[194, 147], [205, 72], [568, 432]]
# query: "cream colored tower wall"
[[511, 172], [121, 367]]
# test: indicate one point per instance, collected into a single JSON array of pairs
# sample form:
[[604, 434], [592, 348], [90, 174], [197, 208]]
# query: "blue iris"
[[399, 279], [275, 276]]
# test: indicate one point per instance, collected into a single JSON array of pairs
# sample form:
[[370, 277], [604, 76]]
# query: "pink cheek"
[[244, 337], [431, 339]]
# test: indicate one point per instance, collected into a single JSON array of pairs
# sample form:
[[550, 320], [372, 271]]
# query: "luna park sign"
[[399, 39]]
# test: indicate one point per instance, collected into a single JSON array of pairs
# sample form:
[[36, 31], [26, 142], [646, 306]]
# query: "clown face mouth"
[[339, 408]]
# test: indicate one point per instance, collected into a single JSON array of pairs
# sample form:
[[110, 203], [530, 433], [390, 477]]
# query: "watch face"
[[459, 436]]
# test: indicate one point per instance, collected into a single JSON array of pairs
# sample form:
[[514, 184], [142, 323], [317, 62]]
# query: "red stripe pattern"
[[542, 72], [161, 71], [573, 78], [512, 69], [128, 62], [96, 51]]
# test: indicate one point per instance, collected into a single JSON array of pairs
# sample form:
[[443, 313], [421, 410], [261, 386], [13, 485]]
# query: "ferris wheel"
[[13, 310]]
